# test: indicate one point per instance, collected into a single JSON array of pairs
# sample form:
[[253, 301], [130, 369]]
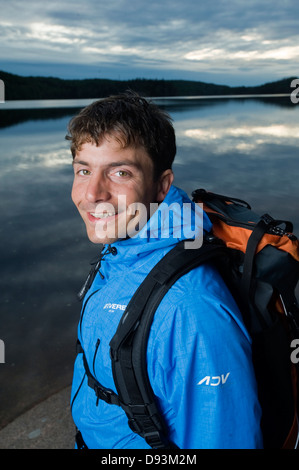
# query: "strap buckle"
[[143, 422], [155, 440], [105, 394]]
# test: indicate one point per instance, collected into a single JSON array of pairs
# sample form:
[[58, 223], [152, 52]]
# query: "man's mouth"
[[101, 216]]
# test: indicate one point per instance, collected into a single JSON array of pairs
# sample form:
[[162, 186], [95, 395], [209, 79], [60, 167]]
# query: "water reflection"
[[248, 139], [243, 148]]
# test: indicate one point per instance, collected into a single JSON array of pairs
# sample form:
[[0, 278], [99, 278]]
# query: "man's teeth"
[[103, 215]]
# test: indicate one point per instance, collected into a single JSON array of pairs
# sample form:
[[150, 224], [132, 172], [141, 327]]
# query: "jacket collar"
[[177, 218]]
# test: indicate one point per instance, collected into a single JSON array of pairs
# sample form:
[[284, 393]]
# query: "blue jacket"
[[199, 353]]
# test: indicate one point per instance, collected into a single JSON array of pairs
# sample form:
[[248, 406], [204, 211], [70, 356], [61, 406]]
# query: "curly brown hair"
[[133, 121]]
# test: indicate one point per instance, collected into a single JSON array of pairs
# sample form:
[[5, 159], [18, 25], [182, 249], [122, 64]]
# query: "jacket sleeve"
[[201, 370]]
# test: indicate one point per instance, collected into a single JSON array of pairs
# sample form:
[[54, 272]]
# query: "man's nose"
[[97, 189]]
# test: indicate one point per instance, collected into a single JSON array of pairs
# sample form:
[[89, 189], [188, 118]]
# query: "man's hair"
[[133, 121]]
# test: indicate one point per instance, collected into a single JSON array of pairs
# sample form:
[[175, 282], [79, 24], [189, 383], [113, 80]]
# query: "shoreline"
[[48, 425]]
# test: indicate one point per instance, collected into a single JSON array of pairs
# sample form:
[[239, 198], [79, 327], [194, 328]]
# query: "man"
[[123, 148]]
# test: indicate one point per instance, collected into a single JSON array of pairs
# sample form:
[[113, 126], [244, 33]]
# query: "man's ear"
[[164, 183]]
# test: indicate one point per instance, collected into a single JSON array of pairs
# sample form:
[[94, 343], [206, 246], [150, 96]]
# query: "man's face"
[[107, 180]]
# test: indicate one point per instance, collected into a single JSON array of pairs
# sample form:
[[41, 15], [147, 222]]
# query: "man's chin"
[[100, 237], [93, 238]]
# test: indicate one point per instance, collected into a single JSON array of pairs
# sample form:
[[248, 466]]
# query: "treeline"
[[36, 88]]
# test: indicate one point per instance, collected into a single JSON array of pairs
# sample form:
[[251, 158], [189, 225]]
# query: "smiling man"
[[109, 180], [123, 148]]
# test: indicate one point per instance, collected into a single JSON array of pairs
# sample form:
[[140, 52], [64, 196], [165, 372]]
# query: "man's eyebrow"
[[123, 163], [109, 165], [79, 162]]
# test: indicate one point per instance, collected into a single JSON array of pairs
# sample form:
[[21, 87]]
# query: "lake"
[[244, 148]]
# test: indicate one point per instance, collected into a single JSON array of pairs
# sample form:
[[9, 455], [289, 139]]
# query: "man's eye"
[[84, 172], [122, 173]]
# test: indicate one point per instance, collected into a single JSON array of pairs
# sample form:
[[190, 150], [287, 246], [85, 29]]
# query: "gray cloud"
[[227, 41]]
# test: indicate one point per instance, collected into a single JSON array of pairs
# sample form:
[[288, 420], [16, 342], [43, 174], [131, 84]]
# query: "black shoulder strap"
[[129, 344]]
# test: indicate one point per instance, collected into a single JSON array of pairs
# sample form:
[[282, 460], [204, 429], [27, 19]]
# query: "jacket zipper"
[[88, 283], [95, 354], [76, 394], [84, 375]]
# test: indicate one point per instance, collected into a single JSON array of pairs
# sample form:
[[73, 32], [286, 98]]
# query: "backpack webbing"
[[129, 344]]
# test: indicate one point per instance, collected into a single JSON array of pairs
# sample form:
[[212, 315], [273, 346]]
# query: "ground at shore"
[[48, 425]]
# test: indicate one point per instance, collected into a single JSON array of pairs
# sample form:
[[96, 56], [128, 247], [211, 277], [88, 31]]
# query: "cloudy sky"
[[233, 42]]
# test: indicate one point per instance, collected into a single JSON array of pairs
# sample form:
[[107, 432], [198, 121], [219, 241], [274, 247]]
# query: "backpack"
[[259, 261]]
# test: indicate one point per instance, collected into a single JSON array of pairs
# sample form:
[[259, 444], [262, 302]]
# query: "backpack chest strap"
[[141, 417], [101, 392]]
